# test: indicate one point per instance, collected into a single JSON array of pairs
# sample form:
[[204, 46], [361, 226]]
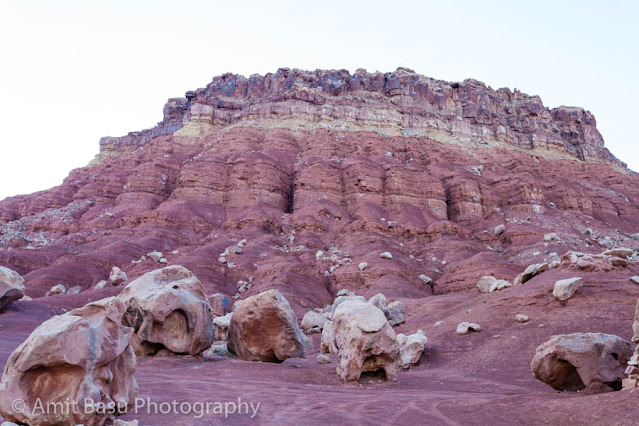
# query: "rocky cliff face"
[[297, 162], [398, 103]]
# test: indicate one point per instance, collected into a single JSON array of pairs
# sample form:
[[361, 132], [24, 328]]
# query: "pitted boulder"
[[11, 286], [82, 356], [591, 362], [365, 341], [168, 308], [264, 328]]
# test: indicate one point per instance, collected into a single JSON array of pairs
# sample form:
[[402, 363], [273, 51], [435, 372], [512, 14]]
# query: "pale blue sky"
[[73, 71]]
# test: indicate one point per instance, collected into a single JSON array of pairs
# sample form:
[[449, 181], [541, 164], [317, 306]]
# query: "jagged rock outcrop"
[[168, 308], [78, 358]]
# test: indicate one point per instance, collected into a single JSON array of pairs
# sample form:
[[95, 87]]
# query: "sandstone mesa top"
[[399, 103]]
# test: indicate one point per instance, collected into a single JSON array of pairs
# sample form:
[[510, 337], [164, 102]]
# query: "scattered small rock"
[[466, 327], [155, 255], [499, 229], [411, 348], [117, 276], [323, 359], [521, 318], [565, 289], [56, 290], [386, 255], [362, 266]]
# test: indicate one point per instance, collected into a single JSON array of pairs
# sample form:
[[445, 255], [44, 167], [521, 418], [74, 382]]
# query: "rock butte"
[[456, 180]]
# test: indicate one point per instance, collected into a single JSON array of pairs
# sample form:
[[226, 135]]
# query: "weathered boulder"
[[499, 229], [264, 328], [117, 276], [81, 357], [323, 359], [221, 325], [101, 284], [220, 304], [396, 313], [594, 362], [635, 279], [411, 348], [11, 286], [380, 302], [76, 289], [386, 255], [622, 253], [56, 290], [365, 341], [521, 318], [488, 284], [531, 271], [313, 322], [466, 327], [565, 289], [485, 282], [216, 351], [328, 345], [168, 308], [341, 299], [155, 255]]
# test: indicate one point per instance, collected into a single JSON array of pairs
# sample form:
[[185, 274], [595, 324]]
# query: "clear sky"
[[73, 71]]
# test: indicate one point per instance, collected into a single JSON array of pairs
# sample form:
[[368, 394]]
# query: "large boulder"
[[168, 308], [264, 328], [82, 359], [11, 286], [365, 341], [594, 362]]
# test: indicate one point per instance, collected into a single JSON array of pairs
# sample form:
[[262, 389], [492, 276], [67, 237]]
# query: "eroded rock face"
[[11, 286], [594, 362], [264, 328], [365, 341], [84, 355], [168, 308]]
